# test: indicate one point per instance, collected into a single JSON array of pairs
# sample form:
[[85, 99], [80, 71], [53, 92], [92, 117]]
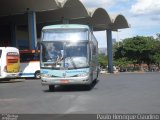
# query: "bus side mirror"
[[37, 51], [38, 45]]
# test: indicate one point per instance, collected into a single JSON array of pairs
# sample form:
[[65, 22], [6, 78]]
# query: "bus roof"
[[65, 26], [9, 49]]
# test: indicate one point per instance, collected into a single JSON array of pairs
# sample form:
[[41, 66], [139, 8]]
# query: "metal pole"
[[109, 50], [32, 29]]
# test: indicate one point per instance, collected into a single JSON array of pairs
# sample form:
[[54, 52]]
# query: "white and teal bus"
[[68, 55]]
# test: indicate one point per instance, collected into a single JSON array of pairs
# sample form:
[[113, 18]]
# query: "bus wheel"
[[51, 87], [37, 75]]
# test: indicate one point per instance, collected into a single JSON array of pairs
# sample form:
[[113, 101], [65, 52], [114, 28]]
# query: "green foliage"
[[137, 50], [122, 62], [158, 36], [156, 52], [103, 60], [156, 58]]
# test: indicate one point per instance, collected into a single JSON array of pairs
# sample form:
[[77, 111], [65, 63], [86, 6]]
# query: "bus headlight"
[[83, 75], [45, 75]]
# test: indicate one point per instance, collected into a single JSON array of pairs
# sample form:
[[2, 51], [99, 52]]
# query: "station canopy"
[[50, 11]]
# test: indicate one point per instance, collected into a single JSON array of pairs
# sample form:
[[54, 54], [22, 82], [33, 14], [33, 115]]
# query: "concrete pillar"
[[13, 35], [32, 29], [109, 51]]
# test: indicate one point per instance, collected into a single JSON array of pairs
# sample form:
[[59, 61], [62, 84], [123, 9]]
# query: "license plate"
[[64, 81]]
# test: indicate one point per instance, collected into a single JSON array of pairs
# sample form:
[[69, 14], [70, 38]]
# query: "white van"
[[29, 64], [9, 62]]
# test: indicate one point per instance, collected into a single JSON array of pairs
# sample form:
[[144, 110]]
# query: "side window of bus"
[[93, 49], [26, 57], [94, 45]]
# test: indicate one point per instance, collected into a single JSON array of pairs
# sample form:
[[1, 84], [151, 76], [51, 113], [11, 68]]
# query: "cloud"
[[146, 7], [156, 18], [148, 11], [143, 15]]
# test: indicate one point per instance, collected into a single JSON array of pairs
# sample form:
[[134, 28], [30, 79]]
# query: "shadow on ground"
[[73, 88], [11, 80]]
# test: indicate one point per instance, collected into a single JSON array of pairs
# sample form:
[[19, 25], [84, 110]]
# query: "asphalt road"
[[119, 93]]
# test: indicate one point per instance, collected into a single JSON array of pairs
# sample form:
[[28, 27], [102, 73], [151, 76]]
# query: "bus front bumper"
[[9, 75], [66, 81]]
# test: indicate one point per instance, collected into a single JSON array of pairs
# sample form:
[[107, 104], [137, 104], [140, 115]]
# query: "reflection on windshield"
[[76, 55], [61, 54], [65, 34], [76, 62]]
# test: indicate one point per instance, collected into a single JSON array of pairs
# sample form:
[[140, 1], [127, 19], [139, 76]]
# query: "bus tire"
[[89, 86], [37, 75], [97, 76], [51, 88]]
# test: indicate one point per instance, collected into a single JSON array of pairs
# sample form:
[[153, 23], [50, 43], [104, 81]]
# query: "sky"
[[142, 15]]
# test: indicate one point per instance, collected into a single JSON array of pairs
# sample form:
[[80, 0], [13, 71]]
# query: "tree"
[[137, 50], [122, 63], [103, 60], [158, 36], [156, 53]]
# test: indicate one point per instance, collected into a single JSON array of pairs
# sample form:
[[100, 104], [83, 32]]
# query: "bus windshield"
[[68, 55], [65, 34]]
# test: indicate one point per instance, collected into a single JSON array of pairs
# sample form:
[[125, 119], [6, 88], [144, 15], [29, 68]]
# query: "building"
[[21, 21]]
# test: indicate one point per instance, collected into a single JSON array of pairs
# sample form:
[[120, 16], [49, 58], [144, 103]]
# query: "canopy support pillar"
[[32, 29], [109, 50]]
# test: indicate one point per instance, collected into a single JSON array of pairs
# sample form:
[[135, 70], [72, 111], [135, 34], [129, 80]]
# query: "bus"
[[69, 55], [29, 64], [9, 62]]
